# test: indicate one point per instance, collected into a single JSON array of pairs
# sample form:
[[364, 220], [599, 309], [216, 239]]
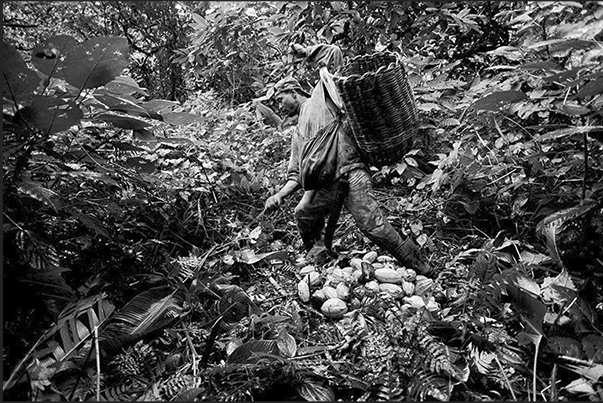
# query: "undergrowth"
[[142, 266]]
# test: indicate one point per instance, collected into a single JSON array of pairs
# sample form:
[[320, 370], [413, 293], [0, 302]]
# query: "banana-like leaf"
[[314, 392], [123, 122], [48, 57], [287, 345], [497, 100], [66, 339], [96, 62], [189, 395], [180, 118], [531, 309], [587, 369], [246, 353], [145, 313], [580, 386], [124, 85], [19, 81], [122, 104], [249, 256], [50, 114]]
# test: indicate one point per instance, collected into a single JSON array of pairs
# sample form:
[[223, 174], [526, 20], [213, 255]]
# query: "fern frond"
[[389, 392], [176, 384], [182, 272], [190, 265], [439, 357], [68, 338], [429, 386], [288, 268], [353, 330], [127, 391], [376, 348], [496, 362], [389, 385], [145, 313], [394, 315], [373, 305]]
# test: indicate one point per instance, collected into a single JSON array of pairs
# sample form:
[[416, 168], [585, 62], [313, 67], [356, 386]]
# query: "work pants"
[[358, 197]]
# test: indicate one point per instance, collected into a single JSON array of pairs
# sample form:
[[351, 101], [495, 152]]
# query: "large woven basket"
[[380, 105]]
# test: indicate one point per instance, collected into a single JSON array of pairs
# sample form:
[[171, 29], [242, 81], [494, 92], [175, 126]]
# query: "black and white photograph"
[[302, 200]]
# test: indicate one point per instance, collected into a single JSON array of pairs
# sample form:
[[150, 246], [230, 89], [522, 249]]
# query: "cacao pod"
[[408, 287], [334, 308], [343, 292], [415, 301], [338, 272], [372, 285], [347, 271], [333, 280], [307, 270], [409, 275], [356, 263], [303, 291], [313, 278], [386, 275], [370, 257], [319, 296], [394, 289], [432, 306], [423, 286], [330, 292], [357, 276]]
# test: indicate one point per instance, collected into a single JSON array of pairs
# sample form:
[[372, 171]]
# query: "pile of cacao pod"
[[337, 290]]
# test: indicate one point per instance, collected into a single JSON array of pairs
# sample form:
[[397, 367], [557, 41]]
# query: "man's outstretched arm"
[[276, 200]]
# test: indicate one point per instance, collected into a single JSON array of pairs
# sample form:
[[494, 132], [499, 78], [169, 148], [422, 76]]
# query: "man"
[[353, 187]]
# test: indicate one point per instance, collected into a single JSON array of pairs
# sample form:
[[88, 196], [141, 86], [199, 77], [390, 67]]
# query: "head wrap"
[[289, 84]]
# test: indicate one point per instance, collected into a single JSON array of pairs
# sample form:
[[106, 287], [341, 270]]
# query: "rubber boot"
[[409, 256]]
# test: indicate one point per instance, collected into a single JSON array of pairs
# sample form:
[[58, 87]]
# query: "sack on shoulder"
[[318, 162]]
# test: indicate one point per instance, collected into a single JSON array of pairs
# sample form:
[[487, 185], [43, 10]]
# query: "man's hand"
[[273, 202], [276, 200]]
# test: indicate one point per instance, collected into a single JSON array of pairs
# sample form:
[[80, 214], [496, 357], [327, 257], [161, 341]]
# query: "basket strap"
[[326, 79]]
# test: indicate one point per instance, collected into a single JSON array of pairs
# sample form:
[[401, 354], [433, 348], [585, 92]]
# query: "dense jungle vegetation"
[[139, 145]]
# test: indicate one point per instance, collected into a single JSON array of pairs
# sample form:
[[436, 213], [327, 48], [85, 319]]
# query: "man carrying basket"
[[347, 181]]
